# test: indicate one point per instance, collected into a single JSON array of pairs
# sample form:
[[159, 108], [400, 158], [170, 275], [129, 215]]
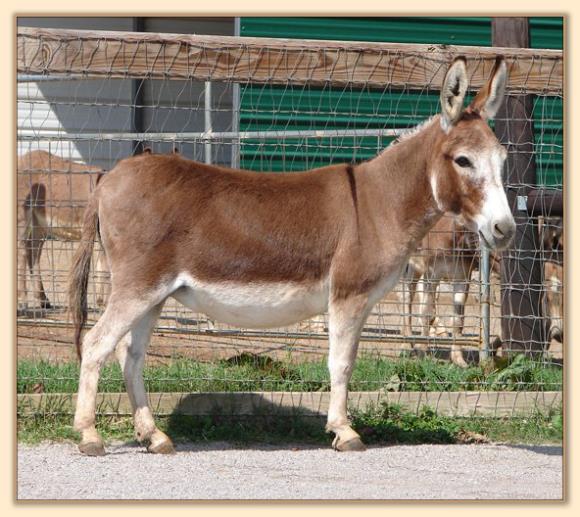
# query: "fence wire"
[[87, 100]]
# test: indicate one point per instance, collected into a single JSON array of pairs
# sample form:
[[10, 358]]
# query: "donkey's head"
[[467, 175]]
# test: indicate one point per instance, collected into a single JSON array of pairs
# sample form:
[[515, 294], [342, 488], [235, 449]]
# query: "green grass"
[[248, 372], [390, 424], [387, 424]]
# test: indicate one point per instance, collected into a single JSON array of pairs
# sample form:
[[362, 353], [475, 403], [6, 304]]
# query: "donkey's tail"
[[79, 274]]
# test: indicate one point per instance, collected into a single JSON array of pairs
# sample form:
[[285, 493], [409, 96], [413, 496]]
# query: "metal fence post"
[[484, 272], [236, 104], [207, 122]]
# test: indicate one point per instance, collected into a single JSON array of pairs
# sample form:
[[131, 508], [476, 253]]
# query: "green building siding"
[[331, 108]]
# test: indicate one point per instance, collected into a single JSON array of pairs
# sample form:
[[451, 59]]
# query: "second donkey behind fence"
[[52, 195], [449, 253], [552, 237]]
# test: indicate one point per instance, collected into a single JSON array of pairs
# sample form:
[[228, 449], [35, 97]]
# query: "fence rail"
[[235, 404], [275, 61]]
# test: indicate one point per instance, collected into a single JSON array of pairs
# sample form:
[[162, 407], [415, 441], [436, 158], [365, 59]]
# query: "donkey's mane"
[[411, 132]]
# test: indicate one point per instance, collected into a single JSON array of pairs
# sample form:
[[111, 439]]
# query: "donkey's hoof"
[[557, 334], [160, 444], [354, 444], [92, 448], [161, 448]]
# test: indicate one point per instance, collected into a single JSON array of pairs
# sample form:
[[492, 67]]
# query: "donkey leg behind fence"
[[31, 236], [407, 291], [460, 293]]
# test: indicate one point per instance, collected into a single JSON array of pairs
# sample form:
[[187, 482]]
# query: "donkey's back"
[[220, 224]]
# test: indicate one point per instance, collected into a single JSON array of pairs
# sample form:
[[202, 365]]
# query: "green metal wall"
[[301, 108]]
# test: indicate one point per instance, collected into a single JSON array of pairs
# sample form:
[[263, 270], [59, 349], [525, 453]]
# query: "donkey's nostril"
[[504, 229]]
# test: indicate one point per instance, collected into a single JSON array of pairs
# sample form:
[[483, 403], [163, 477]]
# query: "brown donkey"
[[52, 195], [267, 250]]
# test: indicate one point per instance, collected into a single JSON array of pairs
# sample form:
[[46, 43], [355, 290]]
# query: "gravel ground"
[[224, 471]]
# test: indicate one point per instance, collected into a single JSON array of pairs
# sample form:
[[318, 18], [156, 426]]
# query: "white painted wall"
[[99, 106]]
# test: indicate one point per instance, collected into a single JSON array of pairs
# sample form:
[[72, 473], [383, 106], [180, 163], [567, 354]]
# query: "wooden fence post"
[[523, 326]]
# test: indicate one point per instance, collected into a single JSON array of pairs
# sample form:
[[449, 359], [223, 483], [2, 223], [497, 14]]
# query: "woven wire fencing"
[[88, 99]]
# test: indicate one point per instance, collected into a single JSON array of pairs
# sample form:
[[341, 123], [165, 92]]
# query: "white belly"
[[253, 305]]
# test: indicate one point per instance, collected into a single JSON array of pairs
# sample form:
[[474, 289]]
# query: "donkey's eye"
[[463, 161]]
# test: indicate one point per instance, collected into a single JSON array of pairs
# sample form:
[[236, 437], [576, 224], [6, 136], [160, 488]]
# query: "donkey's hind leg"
[[24, 228], [131, 355], [123, 311], [408, 288], [409, 281], [34, 247]]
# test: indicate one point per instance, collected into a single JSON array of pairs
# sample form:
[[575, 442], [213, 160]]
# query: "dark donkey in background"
[[52, 195], [267, 250]]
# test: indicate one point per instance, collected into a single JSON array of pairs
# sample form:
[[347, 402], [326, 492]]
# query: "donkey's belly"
[[254, 305]]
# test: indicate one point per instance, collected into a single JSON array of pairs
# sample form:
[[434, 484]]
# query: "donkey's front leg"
[[345, 321], [36, 244]]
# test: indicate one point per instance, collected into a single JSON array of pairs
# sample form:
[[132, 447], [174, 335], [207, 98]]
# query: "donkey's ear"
[[453, 92], [490, 97]]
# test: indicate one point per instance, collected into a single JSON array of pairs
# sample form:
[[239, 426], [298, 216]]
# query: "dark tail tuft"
[[79, 274]]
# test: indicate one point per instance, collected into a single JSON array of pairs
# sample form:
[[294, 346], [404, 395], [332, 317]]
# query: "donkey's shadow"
[[249, 420]]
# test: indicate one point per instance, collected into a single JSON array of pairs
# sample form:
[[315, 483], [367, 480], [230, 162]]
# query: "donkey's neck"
[[402, 174]]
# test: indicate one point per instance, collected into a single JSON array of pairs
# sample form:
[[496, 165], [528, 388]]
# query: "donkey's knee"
[[96, 349]]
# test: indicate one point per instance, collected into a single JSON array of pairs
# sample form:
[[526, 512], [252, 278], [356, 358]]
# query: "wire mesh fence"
[[87, 99]]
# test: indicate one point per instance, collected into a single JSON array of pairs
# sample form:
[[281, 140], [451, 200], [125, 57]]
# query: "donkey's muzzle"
[[502, 232]]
